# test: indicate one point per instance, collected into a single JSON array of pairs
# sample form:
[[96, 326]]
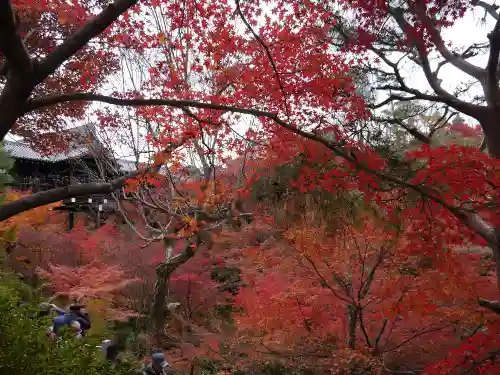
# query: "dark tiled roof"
[[78, 147], [20, 150]]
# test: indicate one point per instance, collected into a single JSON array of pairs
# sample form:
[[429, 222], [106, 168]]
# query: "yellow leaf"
[[163, 38]]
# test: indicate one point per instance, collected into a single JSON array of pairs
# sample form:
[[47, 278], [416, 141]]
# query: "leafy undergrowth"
[[25, 349]]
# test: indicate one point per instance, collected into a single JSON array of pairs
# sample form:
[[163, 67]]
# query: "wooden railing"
[[36, 184]]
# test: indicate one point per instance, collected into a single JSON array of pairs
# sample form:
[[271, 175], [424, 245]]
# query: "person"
[[111, 352], [60, 321], [79, 314], [46, 309], [158, 366], [57, 323]]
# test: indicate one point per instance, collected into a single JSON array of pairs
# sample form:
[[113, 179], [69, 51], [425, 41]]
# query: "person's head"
[[44, 308], [76, 308], [159, 362]]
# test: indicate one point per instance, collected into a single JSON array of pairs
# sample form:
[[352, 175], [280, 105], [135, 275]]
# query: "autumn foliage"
[[357, 255], [309, 281]]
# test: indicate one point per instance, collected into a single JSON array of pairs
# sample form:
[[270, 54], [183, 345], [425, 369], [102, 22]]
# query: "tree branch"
[[4, 68], [268, 53], [77, 41], [11, 43], [454, 59], [472, 221], [476, 364], [489, 8], [412, 130], [403, 87], [432, 79], [491, 305], [51, 196], [181, 104], [402, 372], [419, 333]]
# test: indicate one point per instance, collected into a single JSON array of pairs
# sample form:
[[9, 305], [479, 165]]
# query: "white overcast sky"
[[465, 32]]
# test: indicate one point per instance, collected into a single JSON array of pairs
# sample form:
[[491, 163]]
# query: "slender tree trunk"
[[352, 320]]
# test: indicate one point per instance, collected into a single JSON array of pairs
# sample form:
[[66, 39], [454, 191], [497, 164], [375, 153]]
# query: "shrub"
[[25, 349]]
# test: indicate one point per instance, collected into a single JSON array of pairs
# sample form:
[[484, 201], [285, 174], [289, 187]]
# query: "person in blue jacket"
[[81, 316], [62, 320], [49, 308]]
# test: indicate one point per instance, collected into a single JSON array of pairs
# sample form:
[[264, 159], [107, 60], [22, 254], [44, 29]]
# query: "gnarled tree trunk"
[[164, 270]]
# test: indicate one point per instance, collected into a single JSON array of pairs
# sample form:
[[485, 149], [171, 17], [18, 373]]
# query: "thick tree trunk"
[[491, 129], [159, 308], [13, 103], [496, 255]]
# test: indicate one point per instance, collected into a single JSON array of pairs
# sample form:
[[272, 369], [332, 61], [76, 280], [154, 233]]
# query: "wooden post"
[[71, 219], [98, 217], [71, 214]]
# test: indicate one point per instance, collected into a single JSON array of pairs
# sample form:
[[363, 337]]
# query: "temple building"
[[85, 159]]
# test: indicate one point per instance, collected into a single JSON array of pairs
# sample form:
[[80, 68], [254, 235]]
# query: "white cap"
[[105, 345]]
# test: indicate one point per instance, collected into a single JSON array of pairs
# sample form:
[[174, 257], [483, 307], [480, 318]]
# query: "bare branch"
[[482, 146], [380, 334], [268, 52], [491, 305], [441, 121], [476, 364], [489, 8], [423, 331], [402, 372], [412, 130], [454, 59], [432, 79]]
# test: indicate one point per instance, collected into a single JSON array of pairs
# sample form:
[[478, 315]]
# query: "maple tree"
[[380, 309], [296, 73], [94, 281], [28, 221], [179, 216], [413, 33], [313, 57]]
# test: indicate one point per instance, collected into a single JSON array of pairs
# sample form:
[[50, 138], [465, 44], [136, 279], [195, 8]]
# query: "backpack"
[[83, 319]]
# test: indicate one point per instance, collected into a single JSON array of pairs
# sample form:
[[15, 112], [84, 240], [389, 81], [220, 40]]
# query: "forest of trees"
[[316, 185]]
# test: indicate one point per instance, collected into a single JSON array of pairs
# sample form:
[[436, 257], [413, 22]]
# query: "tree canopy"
[[312, 103]]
